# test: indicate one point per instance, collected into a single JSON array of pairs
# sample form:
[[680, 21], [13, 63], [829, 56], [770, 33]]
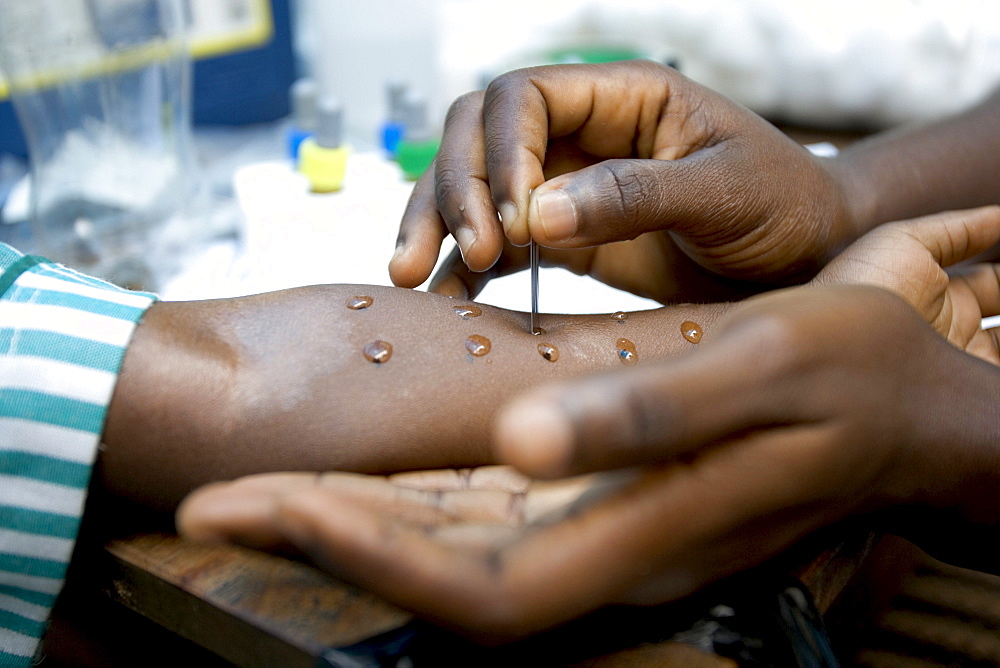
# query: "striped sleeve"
[[62, 339]]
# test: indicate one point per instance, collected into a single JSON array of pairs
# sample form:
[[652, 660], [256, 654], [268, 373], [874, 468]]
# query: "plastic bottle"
[[394, 128], [323, 157], [303, 94], [416, 151]]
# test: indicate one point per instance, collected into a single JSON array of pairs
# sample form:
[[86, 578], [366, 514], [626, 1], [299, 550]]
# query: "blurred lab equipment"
[[303, 95], [244, 63], [393, 128], [847, 64], [419, 145], [102, 89], [323, 157]]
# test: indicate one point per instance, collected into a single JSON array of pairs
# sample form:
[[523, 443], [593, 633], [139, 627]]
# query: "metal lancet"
[[533, 251]]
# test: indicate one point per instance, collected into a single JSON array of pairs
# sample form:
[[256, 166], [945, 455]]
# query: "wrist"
[[858, 199], [173, 397]]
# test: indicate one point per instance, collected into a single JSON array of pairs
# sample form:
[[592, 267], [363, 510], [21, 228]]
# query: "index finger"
[[956, 236]]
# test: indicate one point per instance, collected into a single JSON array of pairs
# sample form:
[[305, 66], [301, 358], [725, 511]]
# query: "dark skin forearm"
[[950, 164], [218, 389]]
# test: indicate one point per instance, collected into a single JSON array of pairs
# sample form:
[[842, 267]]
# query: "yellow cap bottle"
[[323, 157]]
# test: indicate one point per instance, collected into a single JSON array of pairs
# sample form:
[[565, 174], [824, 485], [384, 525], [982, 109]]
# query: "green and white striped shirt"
[[62, 339]]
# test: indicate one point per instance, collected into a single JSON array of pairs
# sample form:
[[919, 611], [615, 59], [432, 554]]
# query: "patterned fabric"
[[62, 339]]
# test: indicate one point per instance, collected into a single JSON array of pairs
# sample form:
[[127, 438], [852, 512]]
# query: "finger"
[[734, 491], [983, 281], [627, 419], [610, 110], [956, 236], [515, 119], [455, 279], [617, 200], [754, 374], [973, 294], [243, 510], [461, 187], [421, 232], [221, 512], [985, 345], [976, 289]]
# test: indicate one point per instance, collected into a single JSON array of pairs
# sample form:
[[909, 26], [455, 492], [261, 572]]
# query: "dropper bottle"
[[323, 157], [394, 128], [416, 151], [303, 96]]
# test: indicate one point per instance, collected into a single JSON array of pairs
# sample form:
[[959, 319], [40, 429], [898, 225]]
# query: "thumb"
[[956, 236], [766, 369], [617, 200], [649, 415]]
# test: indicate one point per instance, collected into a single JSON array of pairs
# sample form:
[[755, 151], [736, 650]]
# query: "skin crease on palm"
[[497, 556]]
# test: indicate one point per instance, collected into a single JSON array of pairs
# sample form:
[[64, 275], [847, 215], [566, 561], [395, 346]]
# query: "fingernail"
[[466, 237], [400, 249], [508, 214], [557, 214]]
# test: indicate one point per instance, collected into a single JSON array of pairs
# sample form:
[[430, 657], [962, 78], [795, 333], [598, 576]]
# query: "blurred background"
[[858, 63], [280, 138]]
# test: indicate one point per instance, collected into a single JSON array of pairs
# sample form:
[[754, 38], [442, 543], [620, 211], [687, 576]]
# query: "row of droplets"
[[379, 351]]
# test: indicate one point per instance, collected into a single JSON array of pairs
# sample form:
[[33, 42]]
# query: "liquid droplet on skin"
[[468, 311], [477, 345], [548, 351], [538, 331], [360, 302], [619, 316], [378, 352], [627, 352], [691, 331]]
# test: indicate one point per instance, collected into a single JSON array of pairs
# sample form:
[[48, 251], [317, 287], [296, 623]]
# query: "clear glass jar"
[[102, 89]]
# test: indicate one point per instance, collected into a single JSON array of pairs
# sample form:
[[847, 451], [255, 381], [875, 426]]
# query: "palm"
[[504, 555], [910, 259]]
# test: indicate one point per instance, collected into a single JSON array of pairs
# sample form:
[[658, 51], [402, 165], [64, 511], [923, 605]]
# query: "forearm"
[[214, 390], [951, 164], [957, 443]]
